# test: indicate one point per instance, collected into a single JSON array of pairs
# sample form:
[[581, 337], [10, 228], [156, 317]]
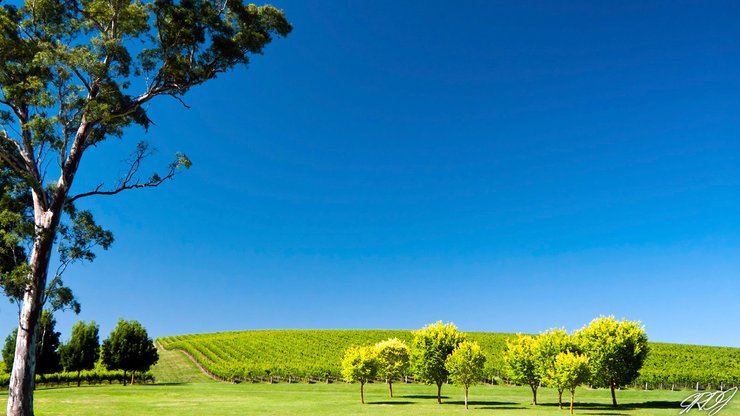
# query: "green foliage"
[[430, 348], [246, 355], [465, 365], [47, 354], [360, 364], [47, 349], [393, 360], [616, 351], [129, 348], [9, 350], [83, 349], [523, 360], [569, 371]]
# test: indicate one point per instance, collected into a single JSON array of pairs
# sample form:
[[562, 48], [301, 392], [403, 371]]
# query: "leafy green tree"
[[550, 344], [83, 349], [360, 364], [9, 350], [47, 354], [430, 348], [129, 348], [393, 360], [465, 365], [569, 371], [522, 358], [616, 351], [74, 73]]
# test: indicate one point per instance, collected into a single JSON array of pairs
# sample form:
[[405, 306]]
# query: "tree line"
[[128, 348], [605, 353]]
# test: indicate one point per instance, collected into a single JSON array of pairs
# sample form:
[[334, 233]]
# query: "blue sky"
[[508, 166]]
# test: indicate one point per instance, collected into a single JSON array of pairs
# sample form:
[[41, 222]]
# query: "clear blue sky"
[[506, 166]]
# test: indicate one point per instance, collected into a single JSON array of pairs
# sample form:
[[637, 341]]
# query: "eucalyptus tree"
[[74, 73]]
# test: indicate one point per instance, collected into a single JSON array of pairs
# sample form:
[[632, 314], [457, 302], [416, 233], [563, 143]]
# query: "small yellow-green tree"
[[393, 360], [521, 358], [569, 371], [360, 364], [551, 343], [430, 348], [465, 365], [616, 351]]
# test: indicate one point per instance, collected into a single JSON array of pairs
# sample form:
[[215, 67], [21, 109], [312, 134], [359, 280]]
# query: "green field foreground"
[[342, 399], [183, 390]]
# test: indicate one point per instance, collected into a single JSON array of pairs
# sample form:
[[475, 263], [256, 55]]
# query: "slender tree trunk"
[[439, 392], [124, 378], [390, 387], [133, 373], [466, 397], [20, 389], [78, 378], [560, 399], [614, 395], [362, 393], [572, 396], [534, 393]]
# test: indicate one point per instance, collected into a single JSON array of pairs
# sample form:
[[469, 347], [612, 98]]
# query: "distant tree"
[[522, 361], [569, 371], [129, 348], [550, 344], [360, 364], [616, 351], [430, 348], [465, 365], [47, 353], [74, 74], [393, 360], [83, 349], [9, 350]]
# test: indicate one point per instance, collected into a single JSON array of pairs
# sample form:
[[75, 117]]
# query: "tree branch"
[[129, 181]]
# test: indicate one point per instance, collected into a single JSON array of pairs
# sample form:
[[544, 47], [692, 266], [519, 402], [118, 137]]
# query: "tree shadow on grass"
[[423, 396], [507, 407], [400, 402], [659, 404], [480, 403]]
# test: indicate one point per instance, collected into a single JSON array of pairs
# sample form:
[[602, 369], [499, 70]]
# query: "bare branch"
[[180, 100], [129, 180]]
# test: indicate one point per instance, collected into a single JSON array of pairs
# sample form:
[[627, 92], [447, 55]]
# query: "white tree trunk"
[[20, 388]]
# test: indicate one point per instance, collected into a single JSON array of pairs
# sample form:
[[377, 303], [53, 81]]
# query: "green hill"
[[244, 355]]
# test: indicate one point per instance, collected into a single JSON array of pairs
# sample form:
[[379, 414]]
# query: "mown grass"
[[343, 399]]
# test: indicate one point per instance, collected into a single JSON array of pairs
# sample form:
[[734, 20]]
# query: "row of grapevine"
[[317, 354], [97, 376]]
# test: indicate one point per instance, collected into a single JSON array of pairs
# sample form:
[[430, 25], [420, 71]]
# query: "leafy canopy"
[[616, 350], [129, 348], [360, 364], [393, 358], [83, 349], [430, 348], [465, 364]]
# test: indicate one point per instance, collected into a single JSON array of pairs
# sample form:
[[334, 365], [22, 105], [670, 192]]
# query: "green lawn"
[[340, 399]]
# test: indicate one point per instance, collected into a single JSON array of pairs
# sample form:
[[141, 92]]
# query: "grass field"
[[341, 399], [182, 390]]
